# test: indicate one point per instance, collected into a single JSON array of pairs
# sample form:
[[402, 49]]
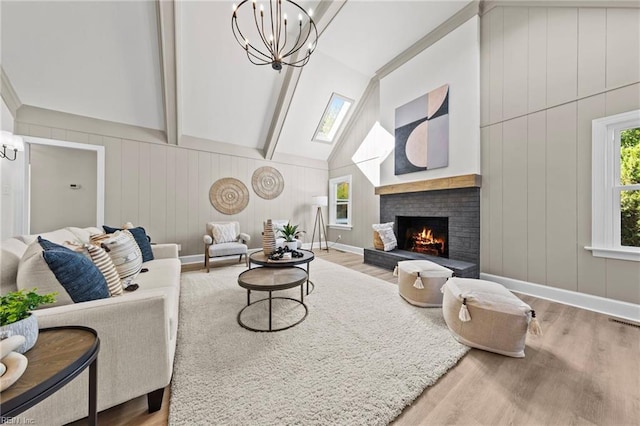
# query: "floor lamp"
[[319, 201]]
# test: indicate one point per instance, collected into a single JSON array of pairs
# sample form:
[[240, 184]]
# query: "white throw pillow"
[[125, 255], [385, 230], [224, 233]]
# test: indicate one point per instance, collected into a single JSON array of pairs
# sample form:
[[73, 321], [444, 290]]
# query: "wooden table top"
[[58, 353], [272, 279], [259, 258]]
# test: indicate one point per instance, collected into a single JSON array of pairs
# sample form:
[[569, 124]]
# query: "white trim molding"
[[606, 187], [616, 308], [100, 174]]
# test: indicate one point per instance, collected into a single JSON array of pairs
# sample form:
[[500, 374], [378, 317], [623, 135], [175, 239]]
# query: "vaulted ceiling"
[[183, 72]]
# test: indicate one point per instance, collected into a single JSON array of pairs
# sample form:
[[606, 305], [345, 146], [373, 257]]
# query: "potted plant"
[[290, 233], [16, 318]]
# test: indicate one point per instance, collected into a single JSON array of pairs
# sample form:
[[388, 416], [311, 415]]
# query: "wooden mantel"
[[453, 182]]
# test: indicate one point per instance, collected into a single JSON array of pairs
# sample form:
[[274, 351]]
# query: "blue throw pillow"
[[140, 235], [75, 272]]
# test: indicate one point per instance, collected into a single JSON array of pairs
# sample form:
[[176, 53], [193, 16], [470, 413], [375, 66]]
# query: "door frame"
[[100, 174]]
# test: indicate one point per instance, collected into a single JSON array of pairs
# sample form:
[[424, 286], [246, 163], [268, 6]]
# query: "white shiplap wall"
[[546, 73], [166, 188]]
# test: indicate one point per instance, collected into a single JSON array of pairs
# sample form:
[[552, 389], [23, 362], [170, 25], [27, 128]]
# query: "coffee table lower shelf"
[[270, 280]]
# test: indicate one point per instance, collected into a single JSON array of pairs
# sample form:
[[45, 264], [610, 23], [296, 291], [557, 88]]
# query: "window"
[[616, 187], [333, 116], [340, 212]]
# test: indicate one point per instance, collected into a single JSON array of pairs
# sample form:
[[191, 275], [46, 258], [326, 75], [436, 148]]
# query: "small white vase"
[[293, 245], [27, 327]]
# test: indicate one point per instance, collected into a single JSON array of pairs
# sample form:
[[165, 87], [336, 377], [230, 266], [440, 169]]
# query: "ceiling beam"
[[9, 94], [326, 11], [166, 11]]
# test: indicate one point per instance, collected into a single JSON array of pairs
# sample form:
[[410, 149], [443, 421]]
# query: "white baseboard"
[[337, 246], [616, 308], [194, 258]]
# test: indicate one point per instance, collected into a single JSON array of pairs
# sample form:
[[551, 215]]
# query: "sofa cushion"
[[34, 272], [162, 273], [140, 235], [125, 254], [12, 251], [78, 275], [58, 236]]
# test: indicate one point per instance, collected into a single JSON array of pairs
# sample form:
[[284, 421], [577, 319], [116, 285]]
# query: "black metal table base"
[[270, 299]]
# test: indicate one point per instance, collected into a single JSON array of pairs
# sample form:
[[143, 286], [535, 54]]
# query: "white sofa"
[[137, 332]]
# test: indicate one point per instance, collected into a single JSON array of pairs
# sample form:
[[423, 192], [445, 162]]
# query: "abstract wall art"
[[422, 133]]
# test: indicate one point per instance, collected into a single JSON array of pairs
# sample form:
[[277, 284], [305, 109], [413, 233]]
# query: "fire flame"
[[425, 242]]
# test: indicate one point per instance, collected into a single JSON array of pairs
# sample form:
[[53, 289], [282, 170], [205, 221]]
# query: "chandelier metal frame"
[[277, 53]]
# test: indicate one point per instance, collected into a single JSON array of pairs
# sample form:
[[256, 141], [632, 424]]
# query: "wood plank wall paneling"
[[623, 46], [561, 197], [514, 202], [166, 188], [537, 197], [592, 51], [552, 70]]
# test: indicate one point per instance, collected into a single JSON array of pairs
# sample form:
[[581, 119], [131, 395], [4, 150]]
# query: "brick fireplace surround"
[[460, 204]]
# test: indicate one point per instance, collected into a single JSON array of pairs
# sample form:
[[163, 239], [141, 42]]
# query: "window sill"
[[335, 226], [630, 253]]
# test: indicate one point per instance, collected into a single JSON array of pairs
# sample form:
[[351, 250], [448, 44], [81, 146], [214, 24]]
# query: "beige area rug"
[[359, 358]]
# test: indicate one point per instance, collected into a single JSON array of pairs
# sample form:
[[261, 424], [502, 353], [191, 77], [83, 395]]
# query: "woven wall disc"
[[267, 182], [229, 195]]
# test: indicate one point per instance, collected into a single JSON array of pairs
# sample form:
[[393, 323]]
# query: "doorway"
[[64, 185]]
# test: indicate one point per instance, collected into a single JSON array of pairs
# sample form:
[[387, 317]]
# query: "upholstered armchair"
[[225, 239]]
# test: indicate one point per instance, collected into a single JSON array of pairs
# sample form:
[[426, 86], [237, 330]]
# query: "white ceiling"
[[101, 59]]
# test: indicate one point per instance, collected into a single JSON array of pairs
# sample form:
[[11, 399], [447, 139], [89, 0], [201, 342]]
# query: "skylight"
[[333, 116]]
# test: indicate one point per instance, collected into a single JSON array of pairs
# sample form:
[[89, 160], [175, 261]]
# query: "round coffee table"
[[272, 279], [259, 258]]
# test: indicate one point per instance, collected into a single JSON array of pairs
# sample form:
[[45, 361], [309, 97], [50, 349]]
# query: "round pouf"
[[485, 315], [419, 282]]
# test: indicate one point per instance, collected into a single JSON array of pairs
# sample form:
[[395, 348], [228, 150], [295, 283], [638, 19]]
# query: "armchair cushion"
[[224, 232], [227, 249]]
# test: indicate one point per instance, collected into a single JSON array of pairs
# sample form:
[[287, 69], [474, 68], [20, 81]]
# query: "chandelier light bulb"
[[277, 45]]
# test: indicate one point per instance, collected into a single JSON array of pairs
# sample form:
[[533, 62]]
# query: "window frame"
[[606, 187], [333, 202], [334, 95]]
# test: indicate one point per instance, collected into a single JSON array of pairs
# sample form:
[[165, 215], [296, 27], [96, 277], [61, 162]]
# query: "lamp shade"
[[320, 200]]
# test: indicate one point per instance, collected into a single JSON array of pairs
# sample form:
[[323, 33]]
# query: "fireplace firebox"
[[427, 235]]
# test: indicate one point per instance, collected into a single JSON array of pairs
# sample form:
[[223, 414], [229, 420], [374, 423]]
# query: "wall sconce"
[[11, 142]]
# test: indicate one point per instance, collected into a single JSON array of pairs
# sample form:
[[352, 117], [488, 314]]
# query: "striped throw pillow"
[[125, 255], [103, 261]]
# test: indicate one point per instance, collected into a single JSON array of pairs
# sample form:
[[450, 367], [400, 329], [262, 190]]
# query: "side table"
[[59, 356]]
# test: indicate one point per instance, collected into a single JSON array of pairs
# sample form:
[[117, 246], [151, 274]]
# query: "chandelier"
[[273, 41]]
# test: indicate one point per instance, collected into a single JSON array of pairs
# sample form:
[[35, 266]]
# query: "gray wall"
[[53, 203], [366, 205], [165, 188], [546, 73]]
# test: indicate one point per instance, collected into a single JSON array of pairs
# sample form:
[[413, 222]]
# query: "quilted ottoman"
[[485, 315], [419, 282]]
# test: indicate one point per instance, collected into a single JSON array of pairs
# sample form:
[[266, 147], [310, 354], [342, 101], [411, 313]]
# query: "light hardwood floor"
[[585, 370]]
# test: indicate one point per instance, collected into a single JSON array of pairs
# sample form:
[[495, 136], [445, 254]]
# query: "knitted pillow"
[[101, 259], [224, 233], [140, 235], [385, 230], [78, 275], [125, 255]]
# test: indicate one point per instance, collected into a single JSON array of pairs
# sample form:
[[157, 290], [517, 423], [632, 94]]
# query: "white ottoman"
[[485, 315], [419, 282]]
